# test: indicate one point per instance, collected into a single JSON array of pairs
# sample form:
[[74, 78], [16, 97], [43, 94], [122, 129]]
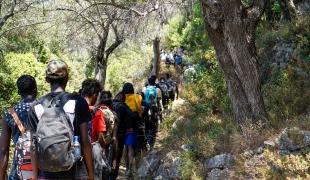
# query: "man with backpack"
[[172, 88], [13, 126], [165, 92], [101, 128], [58, 123], [152, 96]]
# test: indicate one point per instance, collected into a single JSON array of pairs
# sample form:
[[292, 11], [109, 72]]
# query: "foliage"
[[278, 166], [24, 41], [128, 65], [13, 66], [285, 83], [16, 64], [190, 166]]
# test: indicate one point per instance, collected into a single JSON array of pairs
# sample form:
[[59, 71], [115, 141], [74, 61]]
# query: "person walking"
[[125, 118], [55, 121], [97, 128], [134, 102], [13, 127]]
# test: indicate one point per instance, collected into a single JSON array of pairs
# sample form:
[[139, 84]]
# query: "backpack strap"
[[17, 120], [94, 111]]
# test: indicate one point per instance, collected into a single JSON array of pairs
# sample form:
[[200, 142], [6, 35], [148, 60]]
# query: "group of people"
[[80, 135], [172, 58]]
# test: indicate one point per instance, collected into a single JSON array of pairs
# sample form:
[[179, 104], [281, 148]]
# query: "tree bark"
[[288, 9], [101, 71], [231, 28], [156, 61], [103, 52]]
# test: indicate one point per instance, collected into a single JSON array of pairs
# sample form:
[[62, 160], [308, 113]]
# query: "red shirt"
[[98, 124]]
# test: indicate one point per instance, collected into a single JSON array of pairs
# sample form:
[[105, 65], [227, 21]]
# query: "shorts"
[[131, 139]]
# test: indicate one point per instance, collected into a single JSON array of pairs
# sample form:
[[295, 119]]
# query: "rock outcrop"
[[293, 139]]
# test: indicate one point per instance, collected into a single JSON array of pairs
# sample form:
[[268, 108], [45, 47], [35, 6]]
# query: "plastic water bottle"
[[148, 147], [77, 148]]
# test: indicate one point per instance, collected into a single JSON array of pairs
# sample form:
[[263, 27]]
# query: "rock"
[[217, 174], [220, 162], [169, 167], [248, 153], [259, 150], [189, 147], [303, 7], [252, 166], [149, 165], [293, 139], [177, 122], [269, 144]]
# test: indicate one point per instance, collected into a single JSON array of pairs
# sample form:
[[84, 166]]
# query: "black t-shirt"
[[81, 114]]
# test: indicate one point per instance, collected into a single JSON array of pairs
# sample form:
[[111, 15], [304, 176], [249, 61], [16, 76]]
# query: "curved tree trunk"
[[231, 29]]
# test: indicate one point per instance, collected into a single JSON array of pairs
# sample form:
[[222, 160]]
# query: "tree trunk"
[[156, 61], [101, 71], [288, 9], [232, 34], [269, 13]]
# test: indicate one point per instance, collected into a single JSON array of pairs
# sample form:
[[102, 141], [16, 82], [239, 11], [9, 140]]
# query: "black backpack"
[[164, 89]]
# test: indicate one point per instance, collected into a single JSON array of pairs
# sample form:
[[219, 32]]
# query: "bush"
[[13, 66]]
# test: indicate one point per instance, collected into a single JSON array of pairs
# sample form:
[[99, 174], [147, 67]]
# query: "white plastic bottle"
[[77, 148]]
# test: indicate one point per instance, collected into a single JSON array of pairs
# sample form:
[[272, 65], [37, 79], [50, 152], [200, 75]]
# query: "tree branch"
[[113, 46], [84, 17], [124, 7], [22, 26], [8, 15]]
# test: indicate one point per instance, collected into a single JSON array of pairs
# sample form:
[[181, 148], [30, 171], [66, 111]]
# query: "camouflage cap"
[[56, 69]]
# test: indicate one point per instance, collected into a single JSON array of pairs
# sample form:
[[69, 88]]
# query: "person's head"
[[106, 98], [167, 75], [154, 77], [26, 86], [57, 73], [162, 79], [90, 90], [128, 88], [152, 81], [120, 97]]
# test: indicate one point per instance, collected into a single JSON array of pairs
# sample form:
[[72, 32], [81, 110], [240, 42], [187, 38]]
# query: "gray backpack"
[[54, 135]]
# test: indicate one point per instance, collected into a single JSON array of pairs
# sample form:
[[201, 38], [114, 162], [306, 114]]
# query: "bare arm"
[[87, 151], [101, 139], [4, 148]]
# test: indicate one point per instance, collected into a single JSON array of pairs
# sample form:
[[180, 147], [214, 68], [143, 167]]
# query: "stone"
[[303, 7], [259, 150], [149, 165], [220, 162], [177, 122], [189, 148], [218, 174], [269, 144], [170, 167], [293, 139], [248, 153]]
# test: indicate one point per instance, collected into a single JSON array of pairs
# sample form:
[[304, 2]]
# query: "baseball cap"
[[56, 69]]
